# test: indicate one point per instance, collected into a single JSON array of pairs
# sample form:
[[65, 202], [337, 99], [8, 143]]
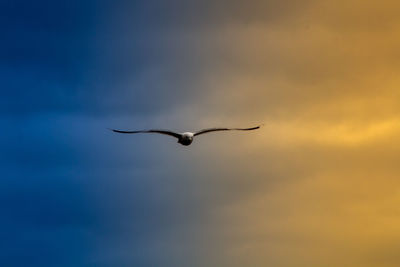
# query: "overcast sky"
[[317, 186]]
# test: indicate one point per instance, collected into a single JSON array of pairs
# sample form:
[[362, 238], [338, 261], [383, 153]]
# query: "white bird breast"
[[188, 135]]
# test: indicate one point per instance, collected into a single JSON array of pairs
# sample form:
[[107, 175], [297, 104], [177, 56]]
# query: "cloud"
[[318, 181]]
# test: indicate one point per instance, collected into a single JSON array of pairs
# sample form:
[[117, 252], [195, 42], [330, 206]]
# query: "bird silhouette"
[[186, 138]]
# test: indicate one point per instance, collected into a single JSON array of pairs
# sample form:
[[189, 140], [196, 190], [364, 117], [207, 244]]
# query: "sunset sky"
[[318, 185]]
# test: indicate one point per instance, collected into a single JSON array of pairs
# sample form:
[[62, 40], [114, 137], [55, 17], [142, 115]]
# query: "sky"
[[318, 185]]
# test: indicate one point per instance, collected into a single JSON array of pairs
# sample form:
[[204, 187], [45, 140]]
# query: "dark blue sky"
[[80, 56], [72, 194]]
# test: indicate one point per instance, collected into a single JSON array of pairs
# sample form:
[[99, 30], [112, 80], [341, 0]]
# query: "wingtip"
[[259, 126]]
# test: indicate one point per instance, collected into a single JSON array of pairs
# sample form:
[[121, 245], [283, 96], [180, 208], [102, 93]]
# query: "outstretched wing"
[[225, 129], [176, 135]]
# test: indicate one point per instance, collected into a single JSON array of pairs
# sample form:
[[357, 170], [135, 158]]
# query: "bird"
[[186, 138]]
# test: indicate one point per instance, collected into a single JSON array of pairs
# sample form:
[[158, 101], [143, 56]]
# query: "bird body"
[[186, 138]]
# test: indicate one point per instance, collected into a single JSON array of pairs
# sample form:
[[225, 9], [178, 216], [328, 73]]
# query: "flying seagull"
[[186, 138]]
